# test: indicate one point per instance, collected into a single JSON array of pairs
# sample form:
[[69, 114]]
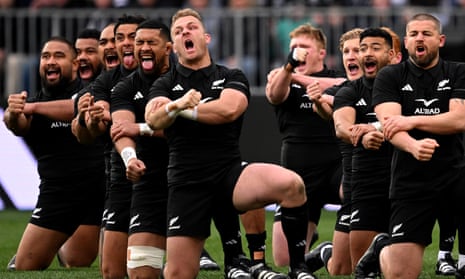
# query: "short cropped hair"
[[155, 24], [311, 31]]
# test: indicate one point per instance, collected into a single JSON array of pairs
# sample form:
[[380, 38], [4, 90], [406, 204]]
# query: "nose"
[[51, 60], [145, 46], [83, 56]]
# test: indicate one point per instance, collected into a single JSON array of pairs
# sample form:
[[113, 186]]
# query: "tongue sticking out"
[[128, 59], [147, 65]]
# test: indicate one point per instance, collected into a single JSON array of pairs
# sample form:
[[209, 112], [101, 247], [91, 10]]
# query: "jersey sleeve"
[[100, 87], [385, 87], [238, 81], [345, 96], [121, 96], [458, 89], [160, 87]]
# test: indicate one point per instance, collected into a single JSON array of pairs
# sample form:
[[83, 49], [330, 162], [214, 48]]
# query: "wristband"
[[377, 126], [173, 113], [145, 130], [127, 154], [189, 113], [292, 59]]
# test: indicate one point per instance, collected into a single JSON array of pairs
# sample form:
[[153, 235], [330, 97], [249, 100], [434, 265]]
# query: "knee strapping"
[[145, 256]]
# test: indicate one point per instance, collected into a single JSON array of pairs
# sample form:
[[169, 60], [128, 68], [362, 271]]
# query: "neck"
[[196, 64]]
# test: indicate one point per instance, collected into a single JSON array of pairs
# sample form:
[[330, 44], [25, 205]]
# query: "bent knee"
[[295, 191], [139, 256]]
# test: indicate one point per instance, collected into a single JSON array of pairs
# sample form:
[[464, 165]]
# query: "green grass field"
[[12, 224]]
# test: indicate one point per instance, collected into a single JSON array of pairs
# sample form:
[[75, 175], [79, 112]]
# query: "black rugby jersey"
[[101, 89], [59, 154], [345, 149], [200, 151], [131, 94], [299, 124], [423, 92], [371, 168]]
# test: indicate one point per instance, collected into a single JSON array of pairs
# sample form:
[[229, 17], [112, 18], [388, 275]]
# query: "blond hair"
[[185, 12], [349, 35], [310, 31]]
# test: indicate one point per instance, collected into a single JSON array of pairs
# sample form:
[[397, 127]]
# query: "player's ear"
[[75, 64], [442, 40], [208, 38], [168, 48]]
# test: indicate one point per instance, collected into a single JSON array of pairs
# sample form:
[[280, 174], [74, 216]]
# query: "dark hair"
[[89, 34], [129, 19], [62, 40], [377, 32], [155, 24]]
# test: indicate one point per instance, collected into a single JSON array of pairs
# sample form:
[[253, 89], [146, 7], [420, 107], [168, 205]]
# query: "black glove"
[[290, 59]]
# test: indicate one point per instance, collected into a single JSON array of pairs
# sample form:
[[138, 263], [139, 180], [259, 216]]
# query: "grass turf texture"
[[12, 224]]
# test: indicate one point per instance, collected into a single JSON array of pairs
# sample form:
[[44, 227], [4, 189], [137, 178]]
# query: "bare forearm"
[[443, 124], [60, 110], [402, 140], [277, 89]]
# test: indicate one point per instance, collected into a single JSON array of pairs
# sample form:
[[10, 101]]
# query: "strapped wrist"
[[145, 130], [191, 114], [171, 113], [128, 153]]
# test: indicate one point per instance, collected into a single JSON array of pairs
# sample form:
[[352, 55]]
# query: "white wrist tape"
[[294, 54], [127, 154], [171, 113], [145, 130], [189, 113], [377, 126]]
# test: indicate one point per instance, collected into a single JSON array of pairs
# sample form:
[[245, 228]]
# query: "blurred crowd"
[[20, 37]]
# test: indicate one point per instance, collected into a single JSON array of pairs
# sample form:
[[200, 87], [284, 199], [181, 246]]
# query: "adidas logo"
[[178, 87], [407, 87], [138, 96], [361, 103]]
